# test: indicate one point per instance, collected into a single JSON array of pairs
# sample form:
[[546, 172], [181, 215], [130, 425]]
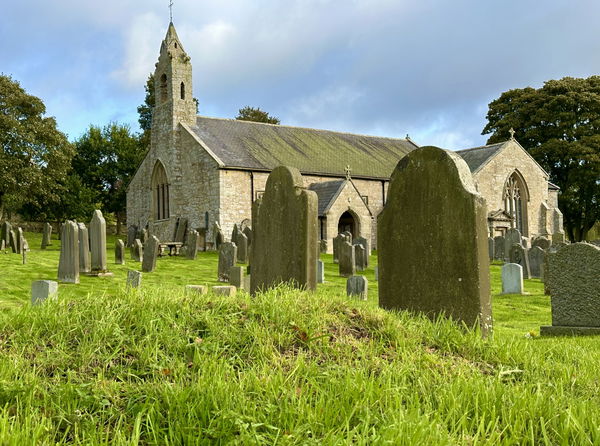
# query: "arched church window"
[[164, 94], [160, 192], [515, 201], [182, 90]]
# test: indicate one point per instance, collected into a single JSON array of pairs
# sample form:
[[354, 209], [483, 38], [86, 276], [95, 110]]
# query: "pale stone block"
[[512, 278], [224, 290], [42, 290]]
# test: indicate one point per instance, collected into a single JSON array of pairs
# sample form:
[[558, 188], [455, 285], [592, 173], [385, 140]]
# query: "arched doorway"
[[515, 202], [160, 192], [348, 222]]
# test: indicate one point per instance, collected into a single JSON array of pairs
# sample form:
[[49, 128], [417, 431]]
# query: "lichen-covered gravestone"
[[285, 244], [150, 254], [512, 278], [120, 252], [242, 247], [192, 245], [85, 265], [134, 279], [137, 250], [68, 264], [432, 239], [365, 244], [518, 254], [227, 259], [511, 237], [542, 242], [499, 247], [358, 287], [131, 234], [360, 257], [337, 241], [98, 243], [347, 260], [573, 277], [5, 233], [47, 235], [536, 257]]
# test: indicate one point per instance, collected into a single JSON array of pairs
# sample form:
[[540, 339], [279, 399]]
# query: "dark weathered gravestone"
[[98, 243], [131, 234], [218, 235], [512, 278], [85, 266], [143, 235], [192, 245], [536, 257], [320, 271], [511, 237], [19, 240], [323, 246], [134, 279], [524, 242], [46, 235], [12, 241], [518, 255], [541, 242], [358, 287], [242, 247], [180, 233], [24, 249], [360, 257], [573, 275], [137, 251], [248, 233], [348, 236], [337, 241], [68, 264], [432, 240], [42, 290], [227, 259], [5, 233], [347, 261], [491, 248], [285, 244], [150, 254], [120, 252], [499, 247], [234, 234], [365, 244], [236, 276]]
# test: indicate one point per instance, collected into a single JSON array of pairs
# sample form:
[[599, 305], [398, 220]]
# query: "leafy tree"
[[106, 158], [34, 155], [559, 125], [255, 114]]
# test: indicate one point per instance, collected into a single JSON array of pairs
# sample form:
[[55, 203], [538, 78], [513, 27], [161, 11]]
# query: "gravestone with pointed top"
[[512, 278], [120, 252], [12, 240], [150, 254], [85, 266], [68, 264], [218, 236], [131, 234], [227, 259]]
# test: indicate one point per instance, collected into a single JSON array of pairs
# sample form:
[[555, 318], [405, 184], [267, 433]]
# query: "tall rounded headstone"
[[512, 278], [68, 263], [85, 265], [432, 239], [150, 254], [47, 235], [98, 242], [227, 259]]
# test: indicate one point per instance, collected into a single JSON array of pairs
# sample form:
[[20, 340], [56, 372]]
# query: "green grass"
[[158, 366]]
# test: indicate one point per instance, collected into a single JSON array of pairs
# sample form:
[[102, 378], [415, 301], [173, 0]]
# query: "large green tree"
[[559, 125], [256, 114], [34, 155]]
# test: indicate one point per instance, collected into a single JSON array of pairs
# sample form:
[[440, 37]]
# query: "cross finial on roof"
[[171, 10], [512, 133], [348, 170]]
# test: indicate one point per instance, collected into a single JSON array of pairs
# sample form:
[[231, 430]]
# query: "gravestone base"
[[563, 330], [99, 274]]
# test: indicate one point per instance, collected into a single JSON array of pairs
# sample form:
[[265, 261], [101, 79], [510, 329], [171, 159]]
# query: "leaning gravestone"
[[242, 247], [150, 254], [137, 250], [542, 242], [227, 259], [98, 243], [512, 278], [285, 244], [432, 236], [347, 261], [357, 286], [85, 265], [518, 254], [119, 252], [68, 264], [360, 257], [511, 237], [499, 247], [192, 245], [12, 240], [573, 276], [42, 290], [19, 240], [47, 235], [536, 257]]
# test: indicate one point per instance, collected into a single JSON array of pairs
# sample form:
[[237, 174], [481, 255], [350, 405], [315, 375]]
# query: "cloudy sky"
[[427, 68]]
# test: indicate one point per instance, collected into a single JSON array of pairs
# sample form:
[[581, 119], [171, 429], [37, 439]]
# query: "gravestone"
[[573, 275], [98, 243], [150, 254], [42, 290], [85, 266], [337, 241], [541, 242], [236, 276], [137, 251], [432, 240], [242, 247], [180, 233], [491, 248], [5, 233], [511, 237], [512, 278], [218, 235], [120, 252], [68, 263], [192, 245], [197, 289], [134, 279], [518, 254], [19, 240], [224, 290], [248, 233], [143, 235], [234, 233], [47, 235], [347, 262], [285, 243], [360, 257], [499, 247], [131, 235], [320, 271], [12, 240], [524, 242], [323, 246], [365, 244], [24, 249], [227, 259], [558, 237], [348, 236], [357, 286], [536, 257]]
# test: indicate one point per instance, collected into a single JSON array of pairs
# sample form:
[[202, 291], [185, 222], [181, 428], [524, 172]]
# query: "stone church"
[[209, 170]]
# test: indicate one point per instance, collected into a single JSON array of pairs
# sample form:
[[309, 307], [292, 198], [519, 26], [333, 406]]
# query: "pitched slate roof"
[[326, 192], [478, 156], [252, 145]]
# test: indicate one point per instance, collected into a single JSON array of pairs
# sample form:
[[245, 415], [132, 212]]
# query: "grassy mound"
[[158, 367]]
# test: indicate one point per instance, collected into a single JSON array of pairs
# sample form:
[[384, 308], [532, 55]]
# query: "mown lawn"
[[156, 366]]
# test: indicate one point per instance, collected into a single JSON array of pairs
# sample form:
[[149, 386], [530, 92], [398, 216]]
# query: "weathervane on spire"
[[348, 170], [171, 10]]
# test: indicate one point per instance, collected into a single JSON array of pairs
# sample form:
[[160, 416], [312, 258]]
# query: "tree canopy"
[[256, 114], [559, 125]]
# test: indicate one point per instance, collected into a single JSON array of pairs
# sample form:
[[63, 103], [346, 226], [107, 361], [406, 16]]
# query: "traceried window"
[[515, 199], [160, 192]]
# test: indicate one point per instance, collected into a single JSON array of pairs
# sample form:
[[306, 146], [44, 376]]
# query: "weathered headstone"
[[5, 233], [320, 271], [224, 290], [491, 248], [131, 235], [134, 279], [143, 235], [337, 241], [242, 247], [12, 241], [432, 236], [196, 289], [137, 251], [347, 262], [150, 254], [42, 290], [24, 249], [98, 243], [357, 286], [120, 252], [499, 247], [192, 245], [248, 233], [227, 259], [524, 242], [360, 257], [348, 236], [365, 244], [518, 254], [85, 266], [218, 236], [536, 257], [323, 246], [180, 233], [512, 278], [542, 242], [558, 237], [573, 275], [19, 241], [234, 233], [511, 237], [47, 235], [68, 264], [236, 276]]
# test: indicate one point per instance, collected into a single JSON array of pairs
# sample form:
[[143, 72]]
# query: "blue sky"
[[426, 68]]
